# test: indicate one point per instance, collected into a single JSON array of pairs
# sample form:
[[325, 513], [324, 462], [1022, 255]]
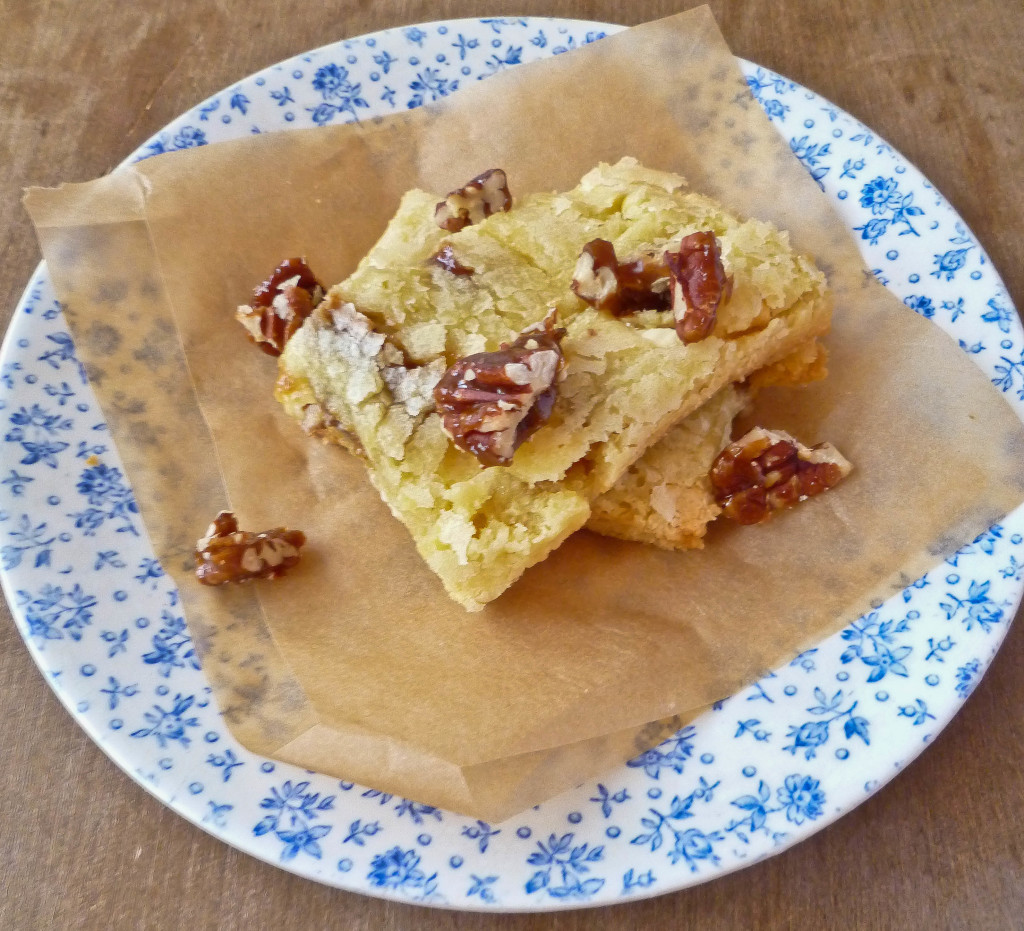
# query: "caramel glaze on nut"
[[279, 306], [490, 402], [620, 288], [476, 200], [227, 554], [766, 471], [691, 280], [699, 285]]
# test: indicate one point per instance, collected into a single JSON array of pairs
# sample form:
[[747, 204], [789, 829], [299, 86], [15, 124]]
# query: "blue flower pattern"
[[563, 868], [978, 609], [687, 843], [811, 154], [167, 725], [115, 691], [226, 762], [966, 677], [109, 498], [358, 832], [873, 642], [187, 137], [800, 799], [292, 811], [890, 208], [38, 431], [482, 833], [72, 553], [54, 613], [607, 799], [339, 95], [810, 735], [672, 754], [761, 84], [917, 712], [26, 538], [482, 886], [399, 870], [429, 86], [172, 646]]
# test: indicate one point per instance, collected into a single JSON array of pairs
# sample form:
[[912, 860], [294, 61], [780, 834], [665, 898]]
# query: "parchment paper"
[[357, 664]]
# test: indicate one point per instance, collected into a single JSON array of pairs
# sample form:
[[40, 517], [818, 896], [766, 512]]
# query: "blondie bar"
[[367, 367]]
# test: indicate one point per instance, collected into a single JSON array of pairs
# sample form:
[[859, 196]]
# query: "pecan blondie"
[[403, 362], [665, 497]]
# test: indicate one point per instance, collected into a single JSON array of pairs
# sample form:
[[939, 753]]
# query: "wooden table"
[[83, 83]]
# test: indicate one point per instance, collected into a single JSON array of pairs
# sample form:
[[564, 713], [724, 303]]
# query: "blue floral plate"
[[763, 770]]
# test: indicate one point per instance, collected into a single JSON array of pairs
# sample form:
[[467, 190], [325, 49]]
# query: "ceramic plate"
[[763, 770]]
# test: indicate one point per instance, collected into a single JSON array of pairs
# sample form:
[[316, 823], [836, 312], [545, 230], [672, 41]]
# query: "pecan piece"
[[280, 305], [621, 288], [449, 261], [490, 402], [475, 201], [227, 554], [768, 470], [699, 285], [596, 277]]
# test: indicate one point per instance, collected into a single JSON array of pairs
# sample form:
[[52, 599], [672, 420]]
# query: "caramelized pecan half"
[[227, 554], [280, 305], [766, 471], [620, 288], [490, 402], [699, 285], [487, 193]]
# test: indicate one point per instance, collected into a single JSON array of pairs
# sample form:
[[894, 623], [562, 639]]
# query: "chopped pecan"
[[490, 402], [447, 259], [227, 554], [596, 277], [486, 194], [645, 282], [766, 471], [620, 288], [699, 285], [280, 305]]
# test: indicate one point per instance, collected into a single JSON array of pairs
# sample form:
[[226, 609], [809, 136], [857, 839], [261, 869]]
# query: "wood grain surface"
[[83, 82]]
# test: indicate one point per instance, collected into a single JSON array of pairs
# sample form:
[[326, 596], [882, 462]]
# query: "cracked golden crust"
[[625, 384]]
